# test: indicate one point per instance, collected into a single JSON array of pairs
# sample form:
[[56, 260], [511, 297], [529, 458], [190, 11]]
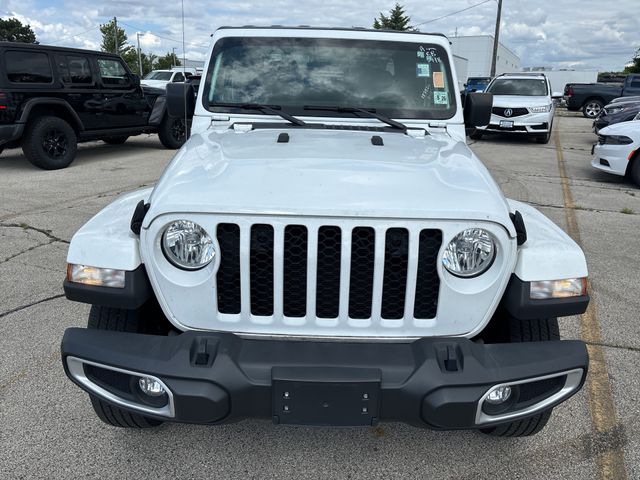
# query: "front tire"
[[476, 135], [117, 320], [634, 170], [50, 143], [172, 132], [541, 330]]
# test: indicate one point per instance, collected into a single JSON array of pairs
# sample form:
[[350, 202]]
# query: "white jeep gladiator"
[[326, 250]]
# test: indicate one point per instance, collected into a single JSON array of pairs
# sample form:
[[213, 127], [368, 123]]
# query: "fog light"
[[151, 386], [499, 395]]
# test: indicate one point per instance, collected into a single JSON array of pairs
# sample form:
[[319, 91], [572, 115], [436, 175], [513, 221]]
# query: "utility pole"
[[139, 53], [115, 37], [173, 59], [496, 40]]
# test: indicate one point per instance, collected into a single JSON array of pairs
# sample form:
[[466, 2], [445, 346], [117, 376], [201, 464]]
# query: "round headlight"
[[187, 245], [470, 253]]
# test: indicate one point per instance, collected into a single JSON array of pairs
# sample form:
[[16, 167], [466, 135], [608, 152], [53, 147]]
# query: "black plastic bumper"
[[215, 378], [9, 133]]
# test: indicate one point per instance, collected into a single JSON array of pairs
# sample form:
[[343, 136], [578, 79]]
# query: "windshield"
[[531, 87], [399, 79], [477, 81], [158, 76]]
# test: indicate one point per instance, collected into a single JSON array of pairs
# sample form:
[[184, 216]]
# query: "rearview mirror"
[[181, 101], [477, 109]]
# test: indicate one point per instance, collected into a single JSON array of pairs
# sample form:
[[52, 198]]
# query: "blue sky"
[[568, 33]]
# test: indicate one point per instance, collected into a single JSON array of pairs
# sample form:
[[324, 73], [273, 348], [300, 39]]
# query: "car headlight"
[[614, 140], [613, 110], [540, 109], [470, 253], [187, 245]]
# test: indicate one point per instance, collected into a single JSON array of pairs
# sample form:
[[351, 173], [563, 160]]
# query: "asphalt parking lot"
[[48, 429]]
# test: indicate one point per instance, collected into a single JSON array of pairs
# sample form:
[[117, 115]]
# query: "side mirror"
[[557, 95], [135, 79], [477, 109], [179, 97]]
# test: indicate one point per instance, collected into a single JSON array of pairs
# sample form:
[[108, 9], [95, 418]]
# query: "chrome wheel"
[[592, 109]]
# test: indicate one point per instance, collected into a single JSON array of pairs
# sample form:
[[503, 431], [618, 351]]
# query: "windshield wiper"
[[267, 109], [371, 112]]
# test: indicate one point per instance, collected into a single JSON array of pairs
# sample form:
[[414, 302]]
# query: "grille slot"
[[228, 278], [516, 112], [328, 272], [396, 262], [363, 241], [427, 281], [294, 287], [261, 270]]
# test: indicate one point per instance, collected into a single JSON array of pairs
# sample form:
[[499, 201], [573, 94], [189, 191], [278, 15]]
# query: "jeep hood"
[[329, 173]]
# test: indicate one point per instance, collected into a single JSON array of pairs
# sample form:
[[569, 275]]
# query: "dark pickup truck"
[[592, 97]]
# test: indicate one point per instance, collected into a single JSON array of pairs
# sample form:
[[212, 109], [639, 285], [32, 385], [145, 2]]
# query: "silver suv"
[[523, 104]]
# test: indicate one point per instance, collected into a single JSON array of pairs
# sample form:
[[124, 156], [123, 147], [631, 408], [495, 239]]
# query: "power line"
[[76, 35], [161, 36], [453, 13]]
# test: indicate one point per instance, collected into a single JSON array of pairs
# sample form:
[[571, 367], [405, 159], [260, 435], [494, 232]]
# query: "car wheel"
[[544, 139], [116, 140], [172, 132], [476, 135], [592, 108], [50, 143], [634, 169], [541, 330], [117, 320]]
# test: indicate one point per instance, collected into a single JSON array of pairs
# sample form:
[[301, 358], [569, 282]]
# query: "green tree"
[[125, 50], [635, 67], [12, 30], [396, 20], [167, 61]]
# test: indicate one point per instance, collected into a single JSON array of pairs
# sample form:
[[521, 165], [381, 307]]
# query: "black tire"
[[116, 140], [542, 330], [118, 320], [634, 169], [544, 139], [172, 132], [49, 143], [476, 135], [592, 108]]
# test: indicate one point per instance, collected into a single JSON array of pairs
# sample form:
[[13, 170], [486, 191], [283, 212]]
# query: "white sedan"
[[618, 150]]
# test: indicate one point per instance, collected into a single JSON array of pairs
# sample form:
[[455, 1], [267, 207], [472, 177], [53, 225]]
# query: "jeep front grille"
[[302, 271]]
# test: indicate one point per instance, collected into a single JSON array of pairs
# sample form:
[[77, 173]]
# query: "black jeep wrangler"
[[51, 98]]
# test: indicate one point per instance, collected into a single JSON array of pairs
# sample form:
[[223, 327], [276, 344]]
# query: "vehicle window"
[[28, 67], [113, 72], [635, 83], [531, 87], [399, 79], [179, 77], [75, 70], [158, 76]]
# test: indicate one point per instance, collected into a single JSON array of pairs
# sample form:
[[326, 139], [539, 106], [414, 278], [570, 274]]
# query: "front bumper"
[[532, 123], [213, 378], [611, 158]]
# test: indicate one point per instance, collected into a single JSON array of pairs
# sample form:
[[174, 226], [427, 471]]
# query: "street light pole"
[[115, 28], [139, 53], [496, 40], [173, 59]]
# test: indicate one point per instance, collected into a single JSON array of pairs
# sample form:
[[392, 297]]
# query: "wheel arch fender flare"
[[549, 253], [49, 101]]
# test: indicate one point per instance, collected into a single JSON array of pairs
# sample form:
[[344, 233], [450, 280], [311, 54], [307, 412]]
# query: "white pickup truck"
[[325, 249]]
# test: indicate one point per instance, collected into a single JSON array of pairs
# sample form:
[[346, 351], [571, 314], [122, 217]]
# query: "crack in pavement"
[[11, 257], [25, 226], [37, 302]]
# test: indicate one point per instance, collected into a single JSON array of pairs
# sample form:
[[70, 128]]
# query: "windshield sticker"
[[441, 98], [423, 70], [429, 54], [438, 80], [425, 92]]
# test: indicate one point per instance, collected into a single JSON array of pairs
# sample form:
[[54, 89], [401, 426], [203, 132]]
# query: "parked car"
[[618, 150], [522, 104], [592, 97], [52, 98], [325, 249], [616, 113], [625, 99], [160, 78], [476, 84]]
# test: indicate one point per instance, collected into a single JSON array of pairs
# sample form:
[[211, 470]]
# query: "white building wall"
[[479, 50], [461, 65], [559, 78]]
